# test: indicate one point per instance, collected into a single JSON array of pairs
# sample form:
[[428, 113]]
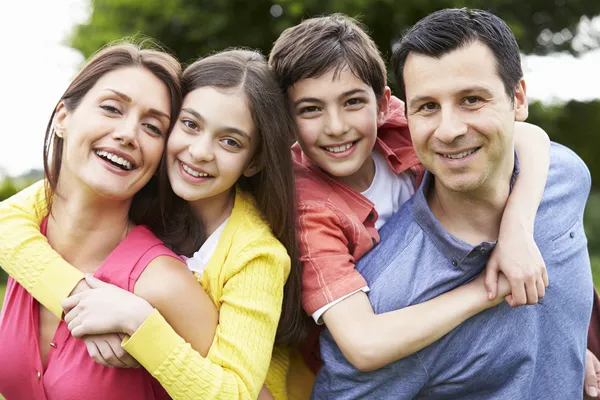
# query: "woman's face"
[[212, 145], [114, 139]]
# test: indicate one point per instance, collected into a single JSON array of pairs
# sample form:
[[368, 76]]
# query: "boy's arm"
[[25, 253], [516, 254]]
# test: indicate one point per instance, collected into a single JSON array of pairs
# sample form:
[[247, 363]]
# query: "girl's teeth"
[[339, 149], [194, 173]]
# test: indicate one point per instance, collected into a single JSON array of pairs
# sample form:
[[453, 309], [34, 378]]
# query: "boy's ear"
[[383, 106]]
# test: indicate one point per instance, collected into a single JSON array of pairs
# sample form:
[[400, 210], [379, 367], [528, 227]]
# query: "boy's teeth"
[[460, 155], [339, 149], [194, 173], [116, 159]]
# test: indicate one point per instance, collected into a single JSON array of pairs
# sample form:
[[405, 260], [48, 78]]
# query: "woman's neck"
[[85, 228], [214, 211]]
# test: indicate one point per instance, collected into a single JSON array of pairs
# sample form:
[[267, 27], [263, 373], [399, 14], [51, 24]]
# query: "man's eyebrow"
[[127, 99], [229, 129], [466, 91]]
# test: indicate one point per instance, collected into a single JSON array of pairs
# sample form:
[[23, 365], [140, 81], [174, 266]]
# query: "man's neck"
[[473, 216]]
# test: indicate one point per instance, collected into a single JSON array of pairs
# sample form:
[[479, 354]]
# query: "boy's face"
[[337, 120], [460, 118]]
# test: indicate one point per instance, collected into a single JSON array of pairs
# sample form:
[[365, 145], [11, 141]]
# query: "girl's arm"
[[516, 254], [237, 362], [43, 273]]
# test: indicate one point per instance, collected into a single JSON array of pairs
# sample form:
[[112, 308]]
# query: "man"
[[460, 76]]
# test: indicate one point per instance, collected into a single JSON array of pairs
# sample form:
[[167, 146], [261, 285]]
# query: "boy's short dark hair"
[[446, 30], [319, 45]]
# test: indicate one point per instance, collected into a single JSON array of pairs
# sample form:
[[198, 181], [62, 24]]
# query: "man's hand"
[[106, 350], [518, 257], [592, 375]]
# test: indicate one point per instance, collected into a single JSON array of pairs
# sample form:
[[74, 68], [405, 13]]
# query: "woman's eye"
[[190, 124], [110, 109], [154, 129]]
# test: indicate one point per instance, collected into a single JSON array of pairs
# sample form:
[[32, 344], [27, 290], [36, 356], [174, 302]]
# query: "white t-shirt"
[[200, 259], [388, 192]]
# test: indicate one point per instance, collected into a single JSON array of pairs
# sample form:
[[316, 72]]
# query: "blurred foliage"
[[191, 28]]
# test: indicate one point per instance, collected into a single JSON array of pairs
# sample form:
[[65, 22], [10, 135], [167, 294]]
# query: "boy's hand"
[[518, 257], [592, 375]]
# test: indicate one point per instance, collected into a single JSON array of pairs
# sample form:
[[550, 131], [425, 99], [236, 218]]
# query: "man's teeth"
[[115, 159], [339, 149], [460, 155], [194, 173]]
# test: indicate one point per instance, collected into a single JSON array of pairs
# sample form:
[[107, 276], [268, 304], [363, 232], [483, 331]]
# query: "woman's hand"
[[106, 350], [104, 309]]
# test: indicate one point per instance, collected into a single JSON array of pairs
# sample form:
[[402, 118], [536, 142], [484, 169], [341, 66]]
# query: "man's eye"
[[472, 100], [431, 106]]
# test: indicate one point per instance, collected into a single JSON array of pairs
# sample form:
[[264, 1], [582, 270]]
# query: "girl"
[[102, 147], [228, 163]]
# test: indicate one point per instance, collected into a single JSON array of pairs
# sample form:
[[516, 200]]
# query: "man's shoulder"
[[568, 177]]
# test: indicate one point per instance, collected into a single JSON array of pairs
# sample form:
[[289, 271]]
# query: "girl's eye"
[[190, 124], [110, 109], [309, 110], [154, 129], [231, 142]]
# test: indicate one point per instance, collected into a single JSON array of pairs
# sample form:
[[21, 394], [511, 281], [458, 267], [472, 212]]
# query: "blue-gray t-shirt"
[[529, 352]]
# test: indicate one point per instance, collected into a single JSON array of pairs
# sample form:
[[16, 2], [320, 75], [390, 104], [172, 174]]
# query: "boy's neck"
[[362, 179]]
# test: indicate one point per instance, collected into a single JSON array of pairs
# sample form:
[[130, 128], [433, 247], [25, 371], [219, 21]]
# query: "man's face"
[[460, 117]]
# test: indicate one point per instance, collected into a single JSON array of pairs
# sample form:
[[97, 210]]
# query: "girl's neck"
[[84, 228], [214, 211]]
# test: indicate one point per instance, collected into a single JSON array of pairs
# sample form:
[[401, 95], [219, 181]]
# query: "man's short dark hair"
[[446, 30]]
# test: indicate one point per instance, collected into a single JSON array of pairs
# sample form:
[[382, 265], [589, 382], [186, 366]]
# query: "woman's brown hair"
[[145, 204], [273, 186]]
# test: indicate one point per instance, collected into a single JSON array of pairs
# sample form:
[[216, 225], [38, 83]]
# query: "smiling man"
[[460, 76]]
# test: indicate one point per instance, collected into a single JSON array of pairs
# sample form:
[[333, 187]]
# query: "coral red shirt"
[[70, 372]]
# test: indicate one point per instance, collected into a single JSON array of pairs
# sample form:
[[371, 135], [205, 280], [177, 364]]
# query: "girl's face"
[[213, 143], [114, 139]]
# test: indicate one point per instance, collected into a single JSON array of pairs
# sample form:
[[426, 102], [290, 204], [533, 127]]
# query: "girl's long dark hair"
[[273, 186]]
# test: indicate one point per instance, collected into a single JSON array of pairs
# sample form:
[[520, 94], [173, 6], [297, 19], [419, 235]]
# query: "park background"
[[45, 42]]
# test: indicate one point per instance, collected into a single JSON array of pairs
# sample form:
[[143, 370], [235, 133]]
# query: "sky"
[[38, 66]]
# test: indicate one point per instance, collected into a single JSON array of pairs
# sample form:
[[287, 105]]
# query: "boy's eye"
[[190, 124], [355, 101], [309, 109]]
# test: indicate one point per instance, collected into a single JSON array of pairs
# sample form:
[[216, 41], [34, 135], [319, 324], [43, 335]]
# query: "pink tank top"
[[70, 372]]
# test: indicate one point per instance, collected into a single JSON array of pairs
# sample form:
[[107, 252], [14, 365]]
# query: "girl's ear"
[[253, 168]]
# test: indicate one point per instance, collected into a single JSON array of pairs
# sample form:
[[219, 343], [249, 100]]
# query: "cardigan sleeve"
[[240, 356], [25, 253]]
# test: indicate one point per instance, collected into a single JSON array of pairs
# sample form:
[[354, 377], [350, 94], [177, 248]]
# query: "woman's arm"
[[25, 253], [516, 254], [240, 355]]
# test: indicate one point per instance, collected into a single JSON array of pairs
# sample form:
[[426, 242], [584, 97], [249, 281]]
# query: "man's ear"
[[520, 101], [383, 106]]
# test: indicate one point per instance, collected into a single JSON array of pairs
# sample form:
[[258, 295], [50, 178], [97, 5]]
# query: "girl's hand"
[[104, 309], [106, 350], [518, 257]]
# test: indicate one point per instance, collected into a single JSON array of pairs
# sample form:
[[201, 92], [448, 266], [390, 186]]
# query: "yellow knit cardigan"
[[244, 278]]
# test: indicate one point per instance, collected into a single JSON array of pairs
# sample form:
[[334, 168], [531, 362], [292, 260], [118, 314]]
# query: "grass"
[[2, 290]]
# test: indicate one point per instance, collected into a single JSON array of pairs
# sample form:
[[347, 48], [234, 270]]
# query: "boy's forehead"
[[333, 83]]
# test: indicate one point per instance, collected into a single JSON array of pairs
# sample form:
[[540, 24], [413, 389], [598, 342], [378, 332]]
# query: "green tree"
[[196, 27]]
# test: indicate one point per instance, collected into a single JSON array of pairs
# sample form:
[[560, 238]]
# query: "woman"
[[229, 165], [103, 145]]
